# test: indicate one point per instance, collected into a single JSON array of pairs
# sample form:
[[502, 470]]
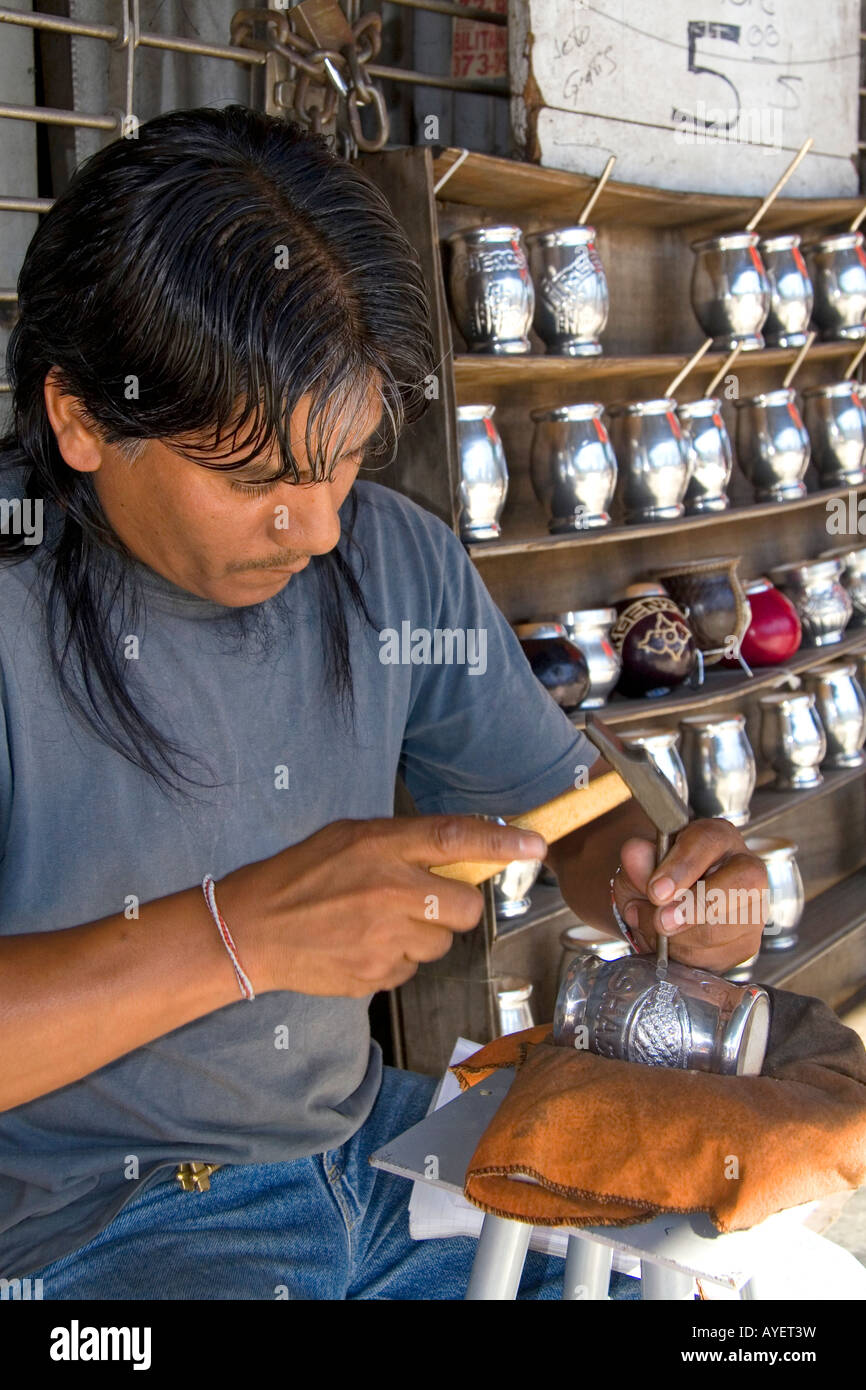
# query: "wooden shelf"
[[476, 375], [721, 685], [527, 190], [484, 551]]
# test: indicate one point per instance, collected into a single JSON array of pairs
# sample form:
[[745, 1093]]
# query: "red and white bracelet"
[[244, 981]]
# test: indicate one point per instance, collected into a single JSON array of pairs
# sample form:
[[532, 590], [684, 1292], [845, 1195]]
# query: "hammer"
[[652, 791]]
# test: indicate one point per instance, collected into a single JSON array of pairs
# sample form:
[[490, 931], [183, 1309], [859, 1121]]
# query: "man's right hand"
[[353, 908]]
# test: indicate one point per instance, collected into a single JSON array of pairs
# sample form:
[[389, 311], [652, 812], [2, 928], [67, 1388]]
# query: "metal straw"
[[858, 219]]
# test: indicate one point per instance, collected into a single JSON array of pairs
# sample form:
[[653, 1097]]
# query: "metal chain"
[[327, 76]]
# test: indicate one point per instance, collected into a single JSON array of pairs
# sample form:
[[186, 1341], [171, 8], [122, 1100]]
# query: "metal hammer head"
[[650, 788]]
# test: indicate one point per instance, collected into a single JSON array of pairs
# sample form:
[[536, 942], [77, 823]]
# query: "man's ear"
[[77, 441]]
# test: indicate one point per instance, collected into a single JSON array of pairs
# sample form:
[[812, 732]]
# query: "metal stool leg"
[[587, 1269], [658, 1283], [498, 1264]]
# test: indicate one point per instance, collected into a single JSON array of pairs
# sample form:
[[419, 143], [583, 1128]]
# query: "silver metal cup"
[[720, 766], [689, 1020], [653, 459], [793, 741], [711, 457], [835, 419], [589, 630], [571, 294], [491, 289], [787, 894], [838, 269], [586, 942], [662, 745], [852, 577], [483, 484], [823, 605], [791, 293], [573, 466], [730, 290], [513, 1006], [841, 707], [773, 445]]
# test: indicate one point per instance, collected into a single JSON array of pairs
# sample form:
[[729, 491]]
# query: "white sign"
[[711, 95]]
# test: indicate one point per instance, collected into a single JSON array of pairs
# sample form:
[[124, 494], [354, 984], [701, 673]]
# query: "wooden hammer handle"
[[552, 820]]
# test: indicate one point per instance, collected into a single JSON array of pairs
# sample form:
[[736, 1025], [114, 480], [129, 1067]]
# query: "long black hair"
[[228, 263]]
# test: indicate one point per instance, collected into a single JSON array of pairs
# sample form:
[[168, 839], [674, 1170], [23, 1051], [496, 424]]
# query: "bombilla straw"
[[779, 185], [855, 362], [728, 362], [798, 360], [684, 371], [855, 225], [596, 192]]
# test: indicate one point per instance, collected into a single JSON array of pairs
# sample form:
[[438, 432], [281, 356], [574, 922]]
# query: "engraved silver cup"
[[852, 577], [691, 1020], [571, 294], [491, 289], [823, 605]]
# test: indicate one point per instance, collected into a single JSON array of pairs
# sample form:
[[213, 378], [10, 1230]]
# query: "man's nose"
[[313, 519]]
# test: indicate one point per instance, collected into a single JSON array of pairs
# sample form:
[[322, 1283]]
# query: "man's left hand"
[[709, 895]]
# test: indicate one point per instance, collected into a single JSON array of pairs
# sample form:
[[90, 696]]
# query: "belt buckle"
[[195, 1177]]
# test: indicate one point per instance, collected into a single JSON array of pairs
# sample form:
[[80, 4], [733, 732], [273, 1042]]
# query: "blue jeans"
[[325, 1227]]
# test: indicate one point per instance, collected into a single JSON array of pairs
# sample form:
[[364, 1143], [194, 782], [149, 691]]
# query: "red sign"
[[480, 50]]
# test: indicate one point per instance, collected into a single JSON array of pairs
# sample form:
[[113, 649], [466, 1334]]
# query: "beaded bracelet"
[[244, 981]]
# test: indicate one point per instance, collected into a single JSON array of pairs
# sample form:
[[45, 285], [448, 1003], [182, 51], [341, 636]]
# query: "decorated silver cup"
[[823, 605], [571, 294], [491, 289], [688, 1019], [852, 577]]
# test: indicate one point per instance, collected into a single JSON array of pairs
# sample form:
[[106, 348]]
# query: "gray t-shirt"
[[83, 832]]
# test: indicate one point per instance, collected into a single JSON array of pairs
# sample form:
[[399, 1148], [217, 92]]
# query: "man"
[[217, 320]]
